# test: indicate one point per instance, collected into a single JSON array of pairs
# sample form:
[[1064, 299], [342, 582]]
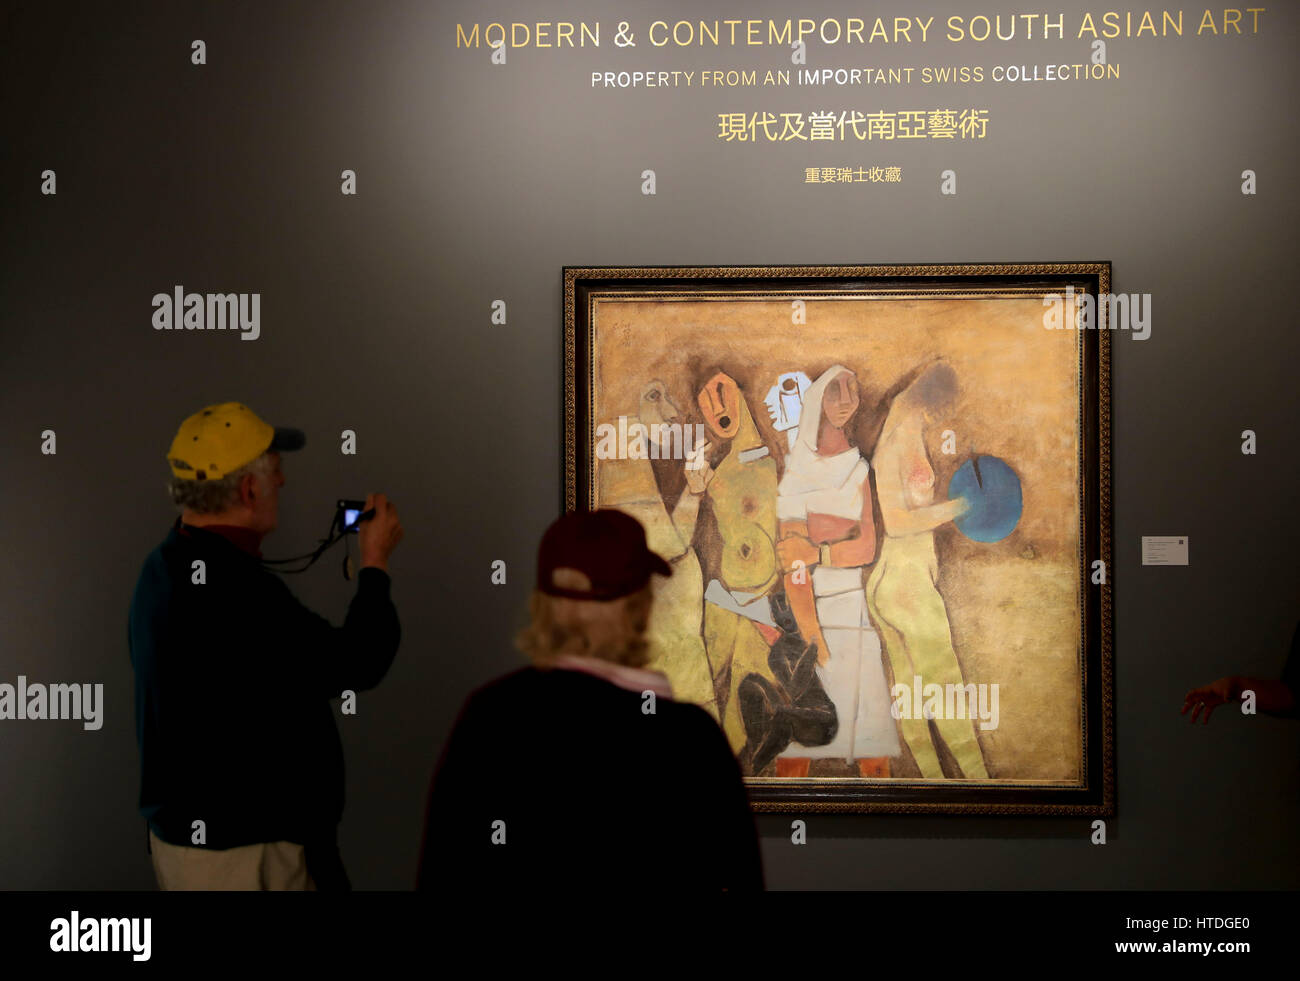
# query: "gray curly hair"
[[215, 496]]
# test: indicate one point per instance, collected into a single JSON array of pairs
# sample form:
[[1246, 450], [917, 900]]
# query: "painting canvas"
[[884, 496]]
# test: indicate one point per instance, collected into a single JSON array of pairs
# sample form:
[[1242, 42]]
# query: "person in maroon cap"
[[581, 772]]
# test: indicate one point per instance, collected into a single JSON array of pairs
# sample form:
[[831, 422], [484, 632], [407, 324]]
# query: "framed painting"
[[884, 493]]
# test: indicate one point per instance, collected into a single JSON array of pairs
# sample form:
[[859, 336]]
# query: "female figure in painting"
[[825, 515], [649, 485], [902, 592], [741, 493]]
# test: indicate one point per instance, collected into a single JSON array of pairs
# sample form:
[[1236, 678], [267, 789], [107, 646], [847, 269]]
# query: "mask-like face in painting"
[[841, 399], [720, 402], [655, 406], [784, 400]]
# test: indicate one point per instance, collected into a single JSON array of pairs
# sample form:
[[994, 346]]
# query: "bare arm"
[[858, 551], [913, 521], [1271, 695], [802, 602], [899, 519], [686, 513]]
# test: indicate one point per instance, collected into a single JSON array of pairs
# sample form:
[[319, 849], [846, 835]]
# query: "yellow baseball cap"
[[219, 439]]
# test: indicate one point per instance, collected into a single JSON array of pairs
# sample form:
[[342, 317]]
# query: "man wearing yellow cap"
[[241, 763]]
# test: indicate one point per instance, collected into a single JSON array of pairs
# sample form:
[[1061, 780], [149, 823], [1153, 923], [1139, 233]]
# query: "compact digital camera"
[[350, 514]]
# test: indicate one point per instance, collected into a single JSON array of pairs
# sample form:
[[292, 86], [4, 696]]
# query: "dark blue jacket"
[[233, 681]]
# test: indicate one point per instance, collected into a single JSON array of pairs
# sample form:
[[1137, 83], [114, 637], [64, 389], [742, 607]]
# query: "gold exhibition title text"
[[858, 30]]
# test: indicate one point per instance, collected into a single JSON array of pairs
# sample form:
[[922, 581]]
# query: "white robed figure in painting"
[[825, 522]]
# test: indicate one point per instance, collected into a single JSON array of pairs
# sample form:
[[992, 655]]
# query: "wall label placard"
[[1164, 550]]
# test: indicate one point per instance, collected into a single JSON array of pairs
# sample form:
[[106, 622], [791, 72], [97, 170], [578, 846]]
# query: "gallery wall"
[[478, 181]]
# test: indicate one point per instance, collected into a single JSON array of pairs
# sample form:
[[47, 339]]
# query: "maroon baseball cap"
[[607, 546]]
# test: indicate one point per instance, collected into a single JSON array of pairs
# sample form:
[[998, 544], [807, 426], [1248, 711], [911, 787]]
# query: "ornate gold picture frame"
[[884, 492]]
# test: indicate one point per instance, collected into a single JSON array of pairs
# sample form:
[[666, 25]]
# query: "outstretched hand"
[[1209, 697]]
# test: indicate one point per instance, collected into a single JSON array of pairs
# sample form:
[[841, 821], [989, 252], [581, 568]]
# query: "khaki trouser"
[[272, 865]]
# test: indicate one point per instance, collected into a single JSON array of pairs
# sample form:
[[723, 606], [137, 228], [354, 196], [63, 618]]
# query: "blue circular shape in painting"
[[993, 490]]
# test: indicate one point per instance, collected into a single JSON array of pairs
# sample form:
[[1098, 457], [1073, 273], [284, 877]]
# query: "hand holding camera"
[[379, 534]]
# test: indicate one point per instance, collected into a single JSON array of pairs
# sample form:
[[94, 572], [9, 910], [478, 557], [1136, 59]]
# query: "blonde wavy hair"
[[611, 630]]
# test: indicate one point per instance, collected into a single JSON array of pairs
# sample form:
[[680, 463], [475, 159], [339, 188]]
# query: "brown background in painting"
[[1013, 605]]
